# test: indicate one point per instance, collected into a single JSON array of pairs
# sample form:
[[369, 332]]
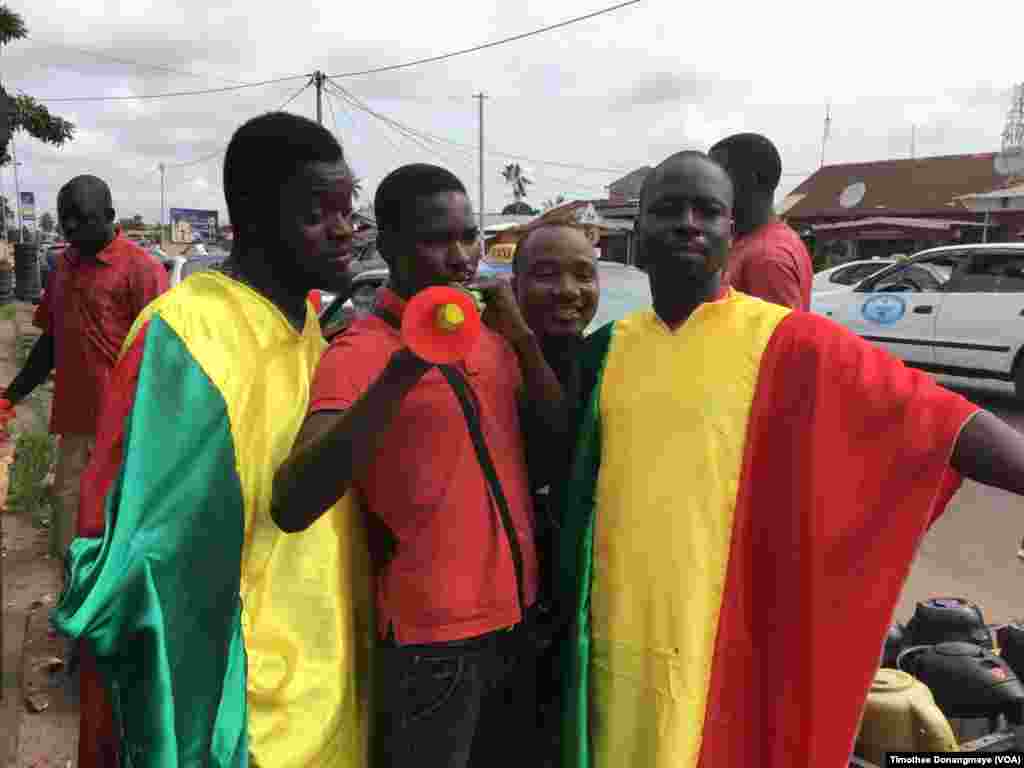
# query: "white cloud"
[[617, 91]]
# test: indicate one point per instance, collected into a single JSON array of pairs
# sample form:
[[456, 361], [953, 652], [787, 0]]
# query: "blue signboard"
[[193, 226], [884, 309]]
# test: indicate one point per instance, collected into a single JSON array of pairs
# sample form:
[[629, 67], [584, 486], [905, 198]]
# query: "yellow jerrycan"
[[901, 716]]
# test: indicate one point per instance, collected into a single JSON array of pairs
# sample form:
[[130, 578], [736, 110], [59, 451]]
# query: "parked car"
[[954, 310], [178, 267], [845, 276], [335, 315]]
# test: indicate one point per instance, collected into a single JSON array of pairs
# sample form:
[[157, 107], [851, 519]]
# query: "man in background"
[[99, 286], [768, 259]]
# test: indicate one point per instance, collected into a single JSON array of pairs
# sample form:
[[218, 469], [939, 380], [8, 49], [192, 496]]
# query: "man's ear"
[[110, 214]]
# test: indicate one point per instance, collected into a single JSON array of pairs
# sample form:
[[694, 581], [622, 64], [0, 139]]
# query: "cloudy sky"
[[611, 93]]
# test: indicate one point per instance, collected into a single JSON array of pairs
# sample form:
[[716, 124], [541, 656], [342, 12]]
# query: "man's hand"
[[502, 313]]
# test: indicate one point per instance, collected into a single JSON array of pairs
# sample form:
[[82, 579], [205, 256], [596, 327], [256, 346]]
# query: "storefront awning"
[[891, 228]]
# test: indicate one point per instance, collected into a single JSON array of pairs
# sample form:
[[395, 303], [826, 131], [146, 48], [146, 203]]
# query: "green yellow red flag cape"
[[748, 494], [220, 640]]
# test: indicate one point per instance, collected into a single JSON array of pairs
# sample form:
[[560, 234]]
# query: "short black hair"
[[520, 250], [266, 151], [403, 186], [94, 184], [649, 178], [756, 153]]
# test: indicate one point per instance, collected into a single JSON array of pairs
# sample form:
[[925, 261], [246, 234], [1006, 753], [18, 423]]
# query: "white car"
[[178, 267], [955, 310], [845, 276]]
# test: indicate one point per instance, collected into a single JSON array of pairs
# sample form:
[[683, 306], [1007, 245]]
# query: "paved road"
[[972, 550]]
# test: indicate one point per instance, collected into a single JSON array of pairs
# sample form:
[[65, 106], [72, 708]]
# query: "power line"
[[132, 62], [493, 152], [177, 93], [425, 143], [224, 149], [421, 143], [484, 46]]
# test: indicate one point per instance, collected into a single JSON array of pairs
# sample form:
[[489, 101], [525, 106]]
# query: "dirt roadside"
[[32, 662]]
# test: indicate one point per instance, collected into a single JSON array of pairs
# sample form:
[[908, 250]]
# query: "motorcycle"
[[947, 682]]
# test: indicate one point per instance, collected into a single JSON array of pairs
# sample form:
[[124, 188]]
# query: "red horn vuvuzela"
[[441, 324]]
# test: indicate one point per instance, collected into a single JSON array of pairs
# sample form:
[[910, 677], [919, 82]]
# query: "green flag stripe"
[[158, 595], [576, 549]]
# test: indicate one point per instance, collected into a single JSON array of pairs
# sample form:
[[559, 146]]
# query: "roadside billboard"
[[189, 225], [28, 206]]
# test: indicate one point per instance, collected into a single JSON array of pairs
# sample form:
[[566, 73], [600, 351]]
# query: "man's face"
[[744, 184], [85, 218], [685, 227], [440, 244], [316, 226], [557, 283]]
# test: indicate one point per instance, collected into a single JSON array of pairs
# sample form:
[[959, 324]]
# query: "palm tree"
[[24, 112], [518, 177]]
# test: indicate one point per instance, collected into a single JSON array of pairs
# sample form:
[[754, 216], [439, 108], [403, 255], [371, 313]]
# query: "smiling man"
[[557, 286], [750, 485], [223, 641], [454, 551]]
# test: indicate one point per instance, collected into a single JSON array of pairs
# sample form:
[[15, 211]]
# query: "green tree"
[[46, 222], [27, 114]]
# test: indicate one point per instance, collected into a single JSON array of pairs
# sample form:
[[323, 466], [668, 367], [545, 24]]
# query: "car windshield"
[[623, 290], [929, 274], [860, 272]]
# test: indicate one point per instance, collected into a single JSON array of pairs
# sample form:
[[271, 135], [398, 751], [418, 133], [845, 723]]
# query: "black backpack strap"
[[470, 410]]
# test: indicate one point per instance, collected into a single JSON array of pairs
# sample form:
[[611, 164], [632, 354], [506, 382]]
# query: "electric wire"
[[484, 46], [202, 92]]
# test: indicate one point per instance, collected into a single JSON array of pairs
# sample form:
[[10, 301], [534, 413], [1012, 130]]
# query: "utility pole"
[[3, 213], [824, 137], [17, 193], [163, 169], [483, 210], [318, 80], [913, 140]]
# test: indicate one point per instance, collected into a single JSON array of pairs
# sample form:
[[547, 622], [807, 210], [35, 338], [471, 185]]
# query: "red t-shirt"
[[451, 575], [773, 264], [89, 307]]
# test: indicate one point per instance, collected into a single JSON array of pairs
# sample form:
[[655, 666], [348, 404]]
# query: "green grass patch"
[[35, 453]]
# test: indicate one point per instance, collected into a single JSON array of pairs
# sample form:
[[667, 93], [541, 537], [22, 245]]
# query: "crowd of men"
[[623, 549]]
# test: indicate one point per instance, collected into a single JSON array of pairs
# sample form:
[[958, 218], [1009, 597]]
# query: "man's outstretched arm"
[[37, 368], [991, 452]]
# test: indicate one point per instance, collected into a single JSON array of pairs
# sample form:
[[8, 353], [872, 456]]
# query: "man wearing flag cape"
[[750, 485], [219, 640]]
